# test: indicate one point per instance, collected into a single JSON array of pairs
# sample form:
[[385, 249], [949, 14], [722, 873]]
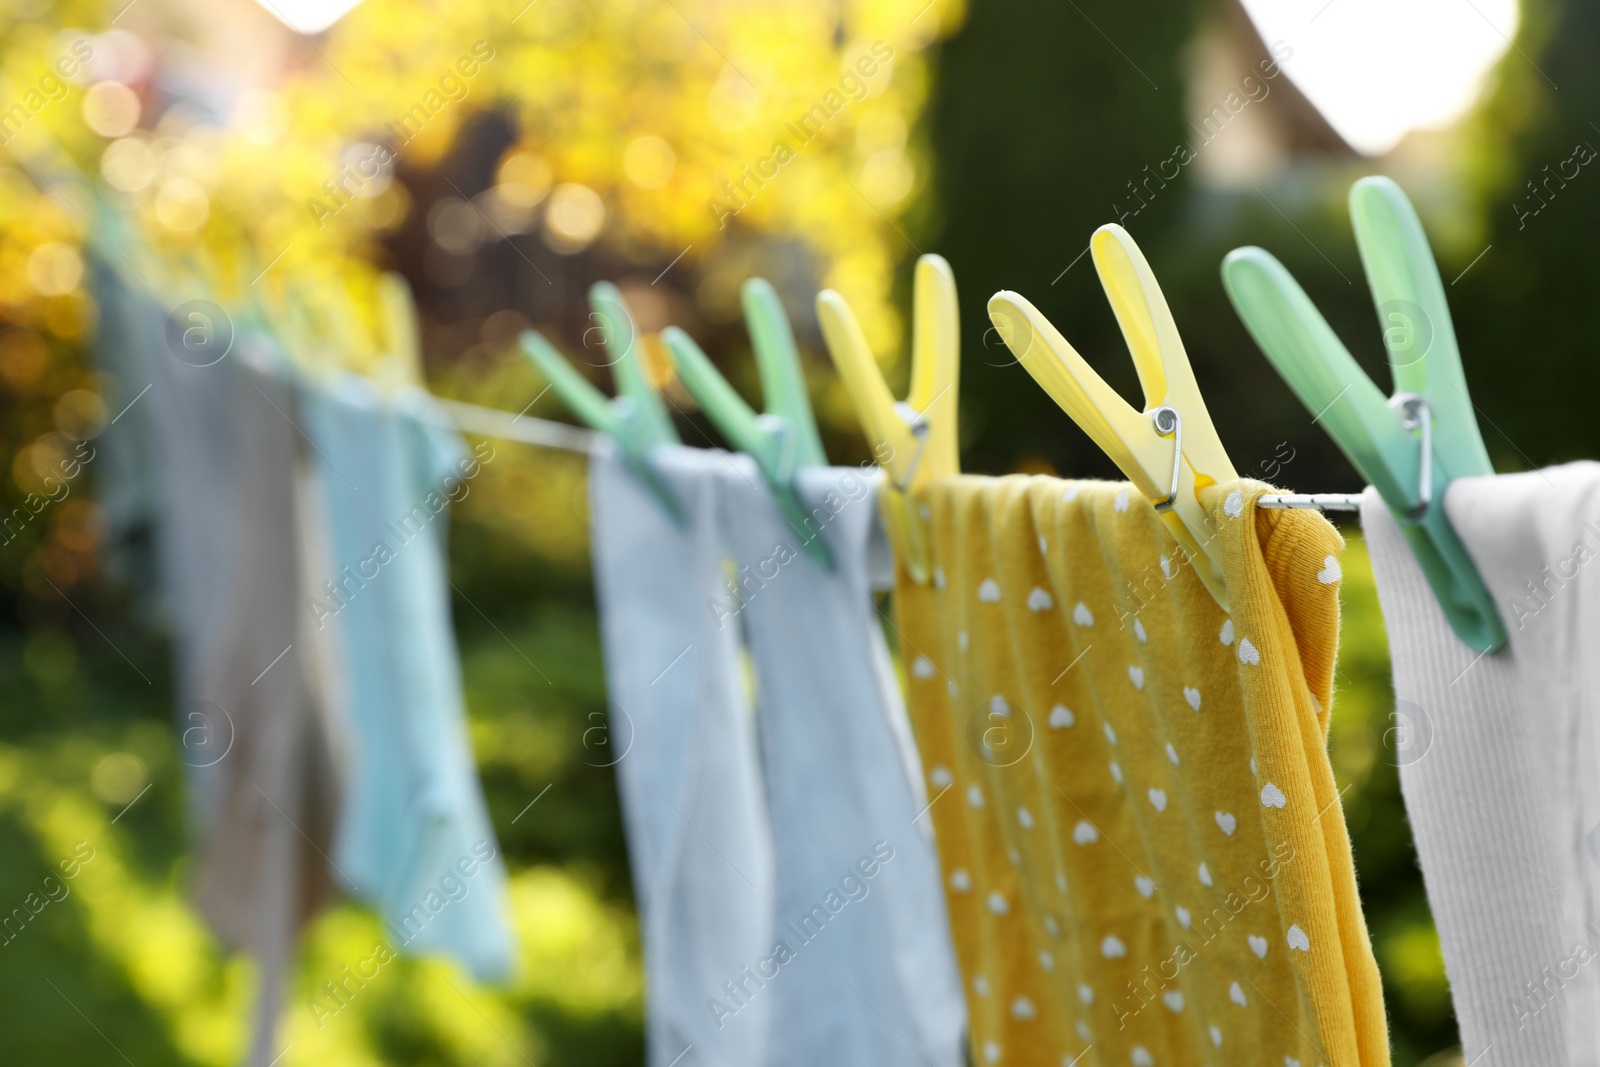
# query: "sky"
[[1377, 69]]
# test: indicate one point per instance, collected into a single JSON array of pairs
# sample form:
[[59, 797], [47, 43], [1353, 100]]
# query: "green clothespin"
[[636, 418], [1410, 446], [785, 437]]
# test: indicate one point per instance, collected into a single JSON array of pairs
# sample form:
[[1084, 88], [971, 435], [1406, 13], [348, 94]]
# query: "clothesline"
[[525, 428]]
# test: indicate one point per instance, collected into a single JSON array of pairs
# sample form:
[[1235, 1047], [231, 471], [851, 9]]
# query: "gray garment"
[[1497, 760], [681, 738], [190, 410], [873, 979]]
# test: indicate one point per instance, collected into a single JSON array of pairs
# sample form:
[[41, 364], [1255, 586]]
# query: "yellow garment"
[[1144, 854]]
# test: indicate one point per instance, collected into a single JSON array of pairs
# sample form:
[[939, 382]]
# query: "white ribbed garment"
[[1500, 761]]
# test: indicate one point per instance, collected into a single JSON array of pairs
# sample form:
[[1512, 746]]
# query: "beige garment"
[[264, 869]]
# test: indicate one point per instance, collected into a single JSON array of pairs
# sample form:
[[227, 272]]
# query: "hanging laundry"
[[859, 969], [1142, 843], [1497, 755], [187, 408], [681, 738], [414, 836], [263, 868], [127, 474]]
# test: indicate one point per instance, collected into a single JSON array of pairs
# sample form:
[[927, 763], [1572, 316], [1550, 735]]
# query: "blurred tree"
[[1526, 307], [1043, 121]]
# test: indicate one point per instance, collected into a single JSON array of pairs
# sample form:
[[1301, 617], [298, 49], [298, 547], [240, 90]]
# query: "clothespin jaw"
[[402, 337], [1410, 447], [636, 419], [783, 384], [1170, 451], [914, 441], [625, 353], [783, 439]]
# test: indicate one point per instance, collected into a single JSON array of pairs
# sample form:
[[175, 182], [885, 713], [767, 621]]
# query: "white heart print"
[[1022, 1008], [1173, 1000], [1158, 800], [1216, 1037], [1258, 945], [922, 667], [1183, 916], [998, 706], [1205, 876], [1290, 1061], [1136, 676], [1167, 570], [1272, 796], [989, 591], [1297, 938], [1140, 1057], [1061, 717], [1227, 823], [1084, 833], [940, 776], [997, 904], [1145, 886], [1248, 653], [1111, 735], [960, 880], [1233, 507], [1192, 696], [1236, 994], [1039, 600], [1330, 571], [1227, 632], [1138, 631], [1082, 615], [1172, 754], [1112, 948]]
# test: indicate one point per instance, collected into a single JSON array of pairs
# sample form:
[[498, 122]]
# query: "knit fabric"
[[859, 970], [1497, 755], [1144, 854], [681, 736], [413, 837]]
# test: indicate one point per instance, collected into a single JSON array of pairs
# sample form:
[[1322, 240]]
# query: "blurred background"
[[309, 145]]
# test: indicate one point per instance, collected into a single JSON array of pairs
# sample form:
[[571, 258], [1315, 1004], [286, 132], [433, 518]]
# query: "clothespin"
[[1411, 446], [783, 438], [636, 418], [1170, 451], [914, 441]]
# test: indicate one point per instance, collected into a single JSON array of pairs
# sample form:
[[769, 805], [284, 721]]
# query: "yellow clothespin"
[[915, 440], [400, 363], [1170, 451]]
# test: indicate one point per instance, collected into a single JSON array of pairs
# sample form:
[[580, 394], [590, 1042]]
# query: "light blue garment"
[[681, 738], [126, 473], [873, 979], [414, 836]]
